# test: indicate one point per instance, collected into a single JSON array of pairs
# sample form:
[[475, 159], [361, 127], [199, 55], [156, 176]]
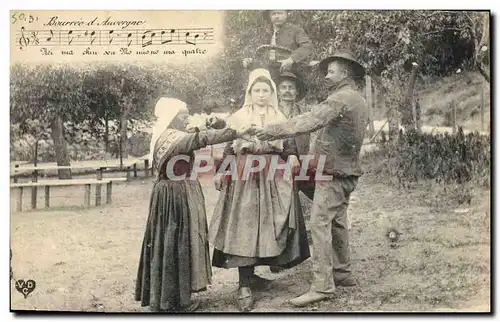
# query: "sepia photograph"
[[250, 161]]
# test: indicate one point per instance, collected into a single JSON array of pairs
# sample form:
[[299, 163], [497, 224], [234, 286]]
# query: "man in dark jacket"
[[291, 91], [340, 122], [289, 36]]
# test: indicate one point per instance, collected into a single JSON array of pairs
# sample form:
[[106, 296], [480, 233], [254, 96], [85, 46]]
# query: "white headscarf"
[[165, 110], [248, 115]]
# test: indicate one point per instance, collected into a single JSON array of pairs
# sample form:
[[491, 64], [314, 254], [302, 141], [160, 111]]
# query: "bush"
[[445, 158]]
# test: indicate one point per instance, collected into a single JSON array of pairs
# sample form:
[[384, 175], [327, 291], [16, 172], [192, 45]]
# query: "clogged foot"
[[259, 282], [276, 269], [245, 299], [346, 282], [193, 306], [309, 298]]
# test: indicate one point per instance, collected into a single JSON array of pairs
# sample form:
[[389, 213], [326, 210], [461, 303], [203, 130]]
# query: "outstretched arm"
[[319, 116], [195, 141]]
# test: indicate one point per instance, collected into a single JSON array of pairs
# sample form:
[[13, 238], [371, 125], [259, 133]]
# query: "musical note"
[[92, 36], [51, 35], [70, 40], [171, 36], [194, 39], [196, 36], [23, 41], [149, 42], [186, 39], [110, 33], [129, 38]]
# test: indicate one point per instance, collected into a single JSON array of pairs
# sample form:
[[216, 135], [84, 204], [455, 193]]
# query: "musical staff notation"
[[137, 37]]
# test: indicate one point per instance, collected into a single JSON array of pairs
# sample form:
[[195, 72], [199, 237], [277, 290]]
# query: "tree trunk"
[[60, 147], [408, 120], [393, 116], [369, 101], [106, 134], [35, 154], [479, 55], [482, 70], [123, 130], [485, 41], [390, 108]]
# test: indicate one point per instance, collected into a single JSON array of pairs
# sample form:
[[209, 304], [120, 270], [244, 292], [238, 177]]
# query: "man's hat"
[[267, 12], [301, 88], [345, 56]]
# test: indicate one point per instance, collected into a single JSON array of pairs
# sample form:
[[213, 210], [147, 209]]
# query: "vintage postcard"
[[250, 161]]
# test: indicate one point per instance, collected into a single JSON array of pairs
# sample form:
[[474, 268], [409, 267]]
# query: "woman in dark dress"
[[175, 260]]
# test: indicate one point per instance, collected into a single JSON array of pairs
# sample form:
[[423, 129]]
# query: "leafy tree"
[[105, 103], [387, 42], [42, 98]]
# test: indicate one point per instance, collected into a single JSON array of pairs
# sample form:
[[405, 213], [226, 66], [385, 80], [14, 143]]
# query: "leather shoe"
[[258, 282], [346, 281], [276, 269], [193, 306], [245, 299], [309, 298]]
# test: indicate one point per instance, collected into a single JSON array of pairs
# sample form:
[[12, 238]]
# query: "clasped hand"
[[252, 132]]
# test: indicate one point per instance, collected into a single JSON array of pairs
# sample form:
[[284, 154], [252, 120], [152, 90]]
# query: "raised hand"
[[286, 64]]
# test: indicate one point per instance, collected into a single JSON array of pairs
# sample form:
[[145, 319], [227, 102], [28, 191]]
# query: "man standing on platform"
[[288, 36]]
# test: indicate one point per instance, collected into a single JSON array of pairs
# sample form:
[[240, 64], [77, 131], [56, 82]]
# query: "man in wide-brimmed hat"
[[290, 37], [340, 122], [291, 91]]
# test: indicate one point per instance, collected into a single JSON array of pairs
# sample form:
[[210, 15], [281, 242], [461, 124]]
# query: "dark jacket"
[[340, 122], [294, 38], [300, 142]]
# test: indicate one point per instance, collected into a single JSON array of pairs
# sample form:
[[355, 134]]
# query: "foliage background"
[[61, 112]]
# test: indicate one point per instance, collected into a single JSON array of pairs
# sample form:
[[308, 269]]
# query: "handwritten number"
[[16, 16], [34, 35]]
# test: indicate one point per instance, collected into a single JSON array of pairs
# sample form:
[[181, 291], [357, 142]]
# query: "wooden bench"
[[99, 166], [74, 182], [146, 160]]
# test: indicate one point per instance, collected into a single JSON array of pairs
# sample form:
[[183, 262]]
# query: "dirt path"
[[87, 259]]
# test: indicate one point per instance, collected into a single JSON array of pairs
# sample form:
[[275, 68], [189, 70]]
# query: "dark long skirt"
[[174, 260]]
